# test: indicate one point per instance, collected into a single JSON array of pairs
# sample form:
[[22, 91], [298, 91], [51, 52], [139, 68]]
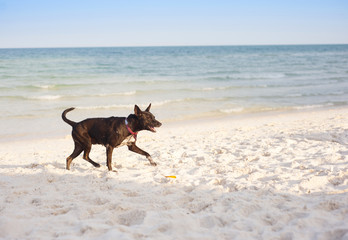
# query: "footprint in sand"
[[134, 217]]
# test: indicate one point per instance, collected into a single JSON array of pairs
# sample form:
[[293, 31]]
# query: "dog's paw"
[[151, 161]]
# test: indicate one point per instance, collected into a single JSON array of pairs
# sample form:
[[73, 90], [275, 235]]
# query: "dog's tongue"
[[152, 129]]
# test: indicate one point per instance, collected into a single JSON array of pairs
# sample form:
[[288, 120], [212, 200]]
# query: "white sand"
[[283, 176]]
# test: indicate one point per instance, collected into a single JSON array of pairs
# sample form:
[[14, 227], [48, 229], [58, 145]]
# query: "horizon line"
[[203, 45]]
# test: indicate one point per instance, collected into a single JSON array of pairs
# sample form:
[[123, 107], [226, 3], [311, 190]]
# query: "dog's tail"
[[71, 123]]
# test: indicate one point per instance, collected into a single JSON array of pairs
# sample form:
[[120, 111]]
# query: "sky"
[[99, 23]]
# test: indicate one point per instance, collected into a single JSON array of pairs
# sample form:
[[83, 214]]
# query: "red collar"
[[130, 130]]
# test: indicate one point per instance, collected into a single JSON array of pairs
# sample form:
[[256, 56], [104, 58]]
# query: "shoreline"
[[221, 119], [252, 119]]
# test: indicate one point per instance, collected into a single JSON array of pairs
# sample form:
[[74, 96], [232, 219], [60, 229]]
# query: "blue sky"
[[80, 23]]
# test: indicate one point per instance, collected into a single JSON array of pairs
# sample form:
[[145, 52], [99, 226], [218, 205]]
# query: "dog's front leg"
[[135, 149], [109, 150]]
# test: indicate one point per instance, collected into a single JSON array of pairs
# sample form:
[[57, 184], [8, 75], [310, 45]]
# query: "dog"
[[111, 132]]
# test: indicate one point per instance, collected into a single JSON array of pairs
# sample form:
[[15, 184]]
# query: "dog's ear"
[[137, 110], [148, 108]]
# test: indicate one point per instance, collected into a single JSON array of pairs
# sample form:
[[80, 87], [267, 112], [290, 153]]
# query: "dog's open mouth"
[[152, 129]]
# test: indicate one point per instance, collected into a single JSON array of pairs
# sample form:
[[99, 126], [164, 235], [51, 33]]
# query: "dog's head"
[[146, 119]]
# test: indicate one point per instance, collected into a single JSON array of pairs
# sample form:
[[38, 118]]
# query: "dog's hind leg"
[[77, 150], [86, 156], [135, 149]]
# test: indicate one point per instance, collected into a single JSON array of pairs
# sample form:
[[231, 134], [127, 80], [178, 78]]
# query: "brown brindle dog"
[[111, 132]]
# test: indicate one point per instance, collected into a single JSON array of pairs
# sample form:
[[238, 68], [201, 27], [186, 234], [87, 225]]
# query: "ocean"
[[182, 83]]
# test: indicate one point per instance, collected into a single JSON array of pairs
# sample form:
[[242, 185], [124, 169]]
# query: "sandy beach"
[[269, 176], [253, 101]]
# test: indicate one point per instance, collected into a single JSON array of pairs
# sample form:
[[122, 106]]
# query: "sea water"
[[36, 85]]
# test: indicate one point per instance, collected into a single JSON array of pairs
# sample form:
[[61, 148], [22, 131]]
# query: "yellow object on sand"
[[170, 176]]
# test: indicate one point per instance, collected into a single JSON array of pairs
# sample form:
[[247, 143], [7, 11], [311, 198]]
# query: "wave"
[[232, 110], [209, 89], [323, 105], [129, 93], [254, 86], [138, 83], [198, 94], [243, 76], [114, 106], [304, 107], [299, 95], [94, 83], [155, 103], [249, 109], [123, 106], [141, 105], [45, 97], [58, 96], [45, 86], [39, 98], [258, 109]]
